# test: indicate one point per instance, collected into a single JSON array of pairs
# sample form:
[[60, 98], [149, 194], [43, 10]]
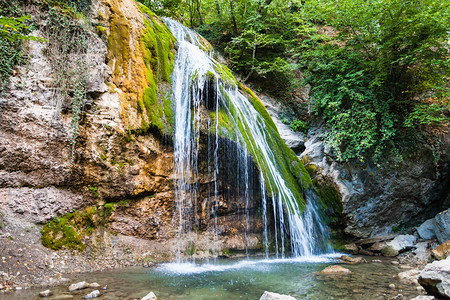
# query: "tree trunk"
[[190, 13], [199, 13], [219, 13], [233, 17]]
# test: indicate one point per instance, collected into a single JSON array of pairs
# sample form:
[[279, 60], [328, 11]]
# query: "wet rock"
[[335, 270], [351, 248], [78, 286], [377, 247], [46, 293], [150, 296], [389, 251], [402, 242], [93, 294], [426, 230], [409, 277], [369, 242], [376, 261], [94, 285], [62, 297], [435, 278], [442, 226], [366, 252], [392, 286], [352, 260], [275, 296], [423, 298], [442, 251]]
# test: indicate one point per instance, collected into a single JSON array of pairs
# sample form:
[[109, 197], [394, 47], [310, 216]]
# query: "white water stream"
[[198, 83]]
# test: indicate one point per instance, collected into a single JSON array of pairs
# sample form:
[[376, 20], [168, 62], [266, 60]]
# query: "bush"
[[299, 125]]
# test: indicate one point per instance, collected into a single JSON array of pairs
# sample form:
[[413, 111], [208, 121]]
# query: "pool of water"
[[243, 279]]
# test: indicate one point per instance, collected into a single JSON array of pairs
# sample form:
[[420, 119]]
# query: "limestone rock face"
[[122, 155], [435, 278], [294, 140], [376, 199]]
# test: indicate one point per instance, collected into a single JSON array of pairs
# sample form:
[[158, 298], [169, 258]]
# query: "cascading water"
[[207, 98]]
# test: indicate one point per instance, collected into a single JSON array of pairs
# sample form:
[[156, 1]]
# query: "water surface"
[[244, 279]]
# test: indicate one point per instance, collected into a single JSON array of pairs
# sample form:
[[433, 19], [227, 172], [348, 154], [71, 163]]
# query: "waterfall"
[[207, 98]]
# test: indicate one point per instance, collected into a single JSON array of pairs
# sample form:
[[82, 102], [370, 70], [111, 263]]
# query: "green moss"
[[158, 46], [70, 230], [291, 168]]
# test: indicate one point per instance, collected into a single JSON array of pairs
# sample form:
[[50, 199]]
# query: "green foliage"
[[11, 55], [379, 76], [94, 191], [67, 45], [299, 125], [13, 31]]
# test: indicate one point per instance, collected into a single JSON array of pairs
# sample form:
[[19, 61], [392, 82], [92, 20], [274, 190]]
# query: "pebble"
[[150, 296], [78, 286], [392, 286], [394, 262], [376, 261], [46, 293], [18, 288], [94, 285], [93, 294]]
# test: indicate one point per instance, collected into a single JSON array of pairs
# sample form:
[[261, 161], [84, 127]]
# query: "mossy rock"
[[70, 230], [389, 251]]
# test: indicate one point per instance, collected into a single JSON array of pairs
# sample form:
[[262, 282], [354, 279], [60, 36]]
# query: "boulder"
[[409, 277], [275, 296], [426, 230], [93, 294], [403, 242], [442, 251], [78, 286], [351, 248], [435, 278], [422, 252], [150, 296], [46, 293], [352, 260], [389, 251], [442, 226], [377, 247], [335, 270]]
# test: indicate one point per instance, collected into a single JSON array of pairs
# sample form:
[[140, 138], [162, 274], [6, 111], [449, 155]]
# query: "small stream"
[[242, 279]]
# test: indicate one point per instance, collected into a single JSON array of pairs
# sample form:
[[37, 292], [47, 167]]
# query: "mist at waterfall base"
[[240, 162]]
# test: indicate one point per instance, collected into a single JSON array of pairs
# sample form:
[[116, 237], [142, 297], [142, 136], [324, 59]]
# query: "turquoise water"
[[243, 279]]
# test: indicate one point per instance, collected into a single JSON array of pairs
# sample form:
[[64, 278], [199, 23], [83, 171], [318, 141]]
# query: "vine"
[[66, 51]]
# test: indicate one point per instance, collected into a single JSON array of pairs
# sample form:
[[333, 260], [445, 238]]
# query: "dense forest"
[[378, 70]]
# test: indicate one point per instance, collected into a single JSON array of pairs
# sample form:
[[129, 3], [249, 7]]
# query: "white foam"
[[263, 264]]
